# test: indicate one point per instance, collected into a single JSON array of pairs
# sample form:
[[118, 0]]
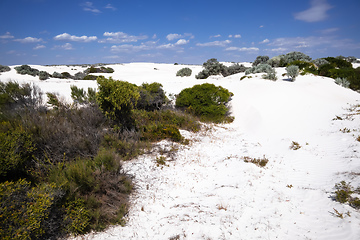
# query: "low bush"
[[184, 72], [57, 75], [26, 70], [152, 97], [292, 71], [211, 67], [233, 69], [277, 61], [90, 77], [66, 75], [80, 76], [338, 62], [270, 75], [4, 68], [206, 101], [344, 193], [93, 69], [158, 132], [261, 68], [44, 75]]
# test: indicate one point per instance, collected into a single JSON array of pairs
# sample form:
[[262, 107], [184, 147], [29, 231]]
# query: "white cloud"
[[29, 40], [121, 37], [313, 43], [88, 6], [7, 35], [237, 36], [68, 37], [316, 13], [213, 44], [174, 36], [243, 49], [216, 36], [133, 48], [66, 46], [39, 47], [109, 6], [182, 42], [265, 41], [261, 26], [329, 30]]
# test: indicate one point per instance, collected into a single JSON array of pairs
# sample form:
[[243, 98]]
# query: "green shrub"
[[158, 132], [343, 192], [90, 77], [184, 72], [270, 75], [206, 101], [338, 62], [80, 76], [301, 64], [25, 210], [4, 68], [80, 96], [116, 99], [93, 69], [26, 69], [77, 217], [17, 148], [260, 60], [44, 75], [152, 97], [292, 71]]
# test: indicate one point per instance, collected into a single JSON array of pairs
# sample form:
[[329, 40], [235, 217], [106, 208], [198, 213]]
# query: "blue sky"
[[187, 31]]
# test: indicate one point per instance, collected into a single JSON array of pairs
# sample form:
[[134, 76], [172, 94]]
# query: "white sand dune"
[[207, 191]]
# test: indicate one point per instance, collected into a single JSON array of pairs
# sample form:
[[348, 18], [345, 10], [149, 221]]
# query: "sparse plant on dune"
[[292, 71], [184, 72]]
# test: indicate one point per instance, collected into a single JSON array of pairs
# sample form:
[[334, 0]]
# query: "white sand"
[[209, 192]]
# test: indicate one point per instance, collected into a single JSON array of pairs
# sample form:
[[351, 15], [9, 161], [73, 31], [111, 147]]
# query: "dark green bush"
[[90, 77], [26, 69], [206, 101], [184, 72], [301, 64], [17, 148], [4, 68], [338, 62], [66, 75], [158, 132], [93, 69], [152, 97], [57, 75], [80, 76]]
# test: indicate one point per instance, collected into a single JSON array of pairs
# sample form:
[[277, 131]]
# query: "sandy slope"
[[207, 191]]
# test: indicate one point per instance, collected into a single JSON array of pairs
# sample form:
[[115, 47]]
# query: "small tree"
[[292, 71]]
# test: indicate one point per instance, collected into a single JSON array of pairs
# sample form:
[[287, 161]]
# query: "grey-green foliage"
[[260, 60], [211, 67], [184, 72], [292, 71], [57, 75], [79, 76], [261, 68], [271, 75], [342, 82], [4, 68], [44, 75], [294, 56], [277, 61], [26, 69], [320, 61], [233, 69]]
